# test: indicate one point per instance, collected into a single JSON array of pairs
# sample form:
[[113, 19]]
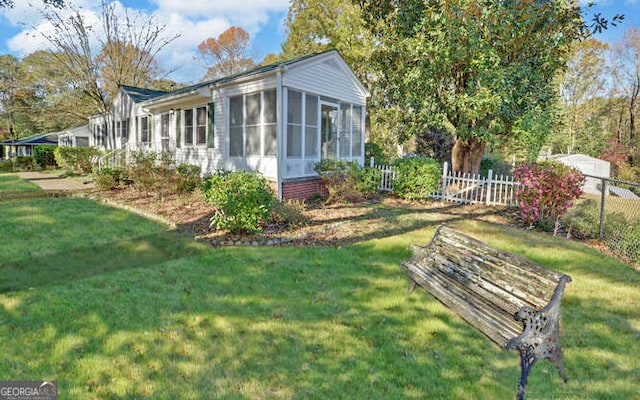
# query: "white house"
[[75, 137], [280, 119]]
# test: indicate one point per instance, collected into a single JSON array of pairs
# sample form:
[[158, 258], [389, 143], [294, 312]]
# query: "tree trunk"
[[466, 155]]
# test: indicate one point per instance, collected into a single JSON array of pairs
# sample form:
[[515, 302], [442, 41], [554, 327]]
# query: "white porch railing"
[[112, 158]]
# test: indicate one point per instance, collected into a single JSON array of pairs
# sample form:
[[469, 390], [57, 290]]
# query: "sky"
[[196, 20]]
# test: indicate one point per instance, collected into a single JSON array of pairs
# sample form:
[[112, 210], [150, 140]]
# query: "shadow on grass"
[[373, 221], [80, 263], [189, 321]]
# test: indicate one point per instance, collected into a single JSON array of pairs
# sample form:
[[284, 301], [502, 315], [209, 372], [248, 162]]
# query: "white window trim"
[[194, 120]]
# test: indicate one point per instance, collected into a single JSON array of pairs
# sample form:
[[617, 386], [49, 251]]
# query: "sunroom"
[[279, 120]]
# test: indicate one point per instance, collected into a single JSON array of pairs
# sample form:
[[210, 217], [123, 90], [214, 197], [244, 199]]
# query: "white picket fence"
[[476, 189], [464, 188]]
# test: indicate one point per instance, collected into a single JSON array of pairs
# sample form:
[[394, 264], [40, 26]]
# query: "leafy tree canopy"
[[474, 69]]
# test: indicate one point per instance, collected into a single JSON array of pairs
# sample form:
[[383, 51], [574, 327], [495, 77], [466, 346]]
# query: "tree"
[[9, 72], [314, 26], [626, 73], [55, 3], [129, 45], [58, 102], [474, 69], [583, 84], [226, 55]]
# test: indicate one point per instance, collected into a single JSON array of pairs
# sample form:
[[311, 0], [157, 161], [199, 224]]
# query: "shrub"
[[20, 163], [43, 155], [374, 150], [289, 213], [242, 199], [498, 166], [347, 181], [583, 220], [416, 177], [76, 159], [188, 177], [109, 178], [547, 190]]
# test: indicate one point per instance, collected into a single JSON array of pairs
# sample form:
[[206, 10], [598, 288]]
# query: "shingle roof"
[[139, 95], [42, 138]]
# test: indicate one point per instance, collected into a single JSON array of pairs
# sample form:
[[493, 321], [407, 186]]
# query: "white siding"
[[209, 159], [326, 77]]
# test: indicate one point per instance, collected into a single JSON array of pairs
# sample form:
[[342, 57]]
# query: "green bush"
[[143, 170], [43, 155], [110, 178], [374, 150], [76, 159], [347, 181], [188, 177], [416, 178], [289, 213], [498, 166], [21, 163], [242, 199], [583, 220]]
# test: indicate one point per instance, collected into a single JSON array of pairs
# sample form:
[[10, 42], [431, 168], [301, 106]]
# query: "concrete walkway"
[[53, 181]]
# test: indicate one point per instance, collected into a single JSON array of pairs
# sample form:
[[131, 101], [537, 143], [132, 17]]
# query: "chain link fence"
[[612, 216]]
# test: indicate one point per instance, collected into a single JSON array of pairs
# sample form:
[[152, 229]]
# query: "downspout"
[[279, 131]]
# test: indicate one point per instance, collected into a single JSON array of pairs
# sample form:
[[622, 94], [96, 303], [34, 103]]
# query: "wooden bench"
[[513, 301]]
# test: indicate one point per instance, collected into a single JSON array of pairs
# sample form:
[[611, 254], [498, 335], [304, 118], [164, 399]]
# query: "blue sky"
[[197, 20]]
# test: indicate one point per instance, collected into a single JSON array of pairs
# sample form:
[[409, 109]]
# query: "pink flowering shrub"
[[547, 190]]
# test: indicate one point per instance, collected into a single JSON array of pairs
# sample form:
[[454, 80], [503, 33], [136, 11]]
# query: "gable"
[[326, 74]]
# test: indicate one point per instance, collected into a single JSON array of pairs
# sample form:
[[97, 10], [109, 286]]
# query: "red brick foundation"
[[303, 189]]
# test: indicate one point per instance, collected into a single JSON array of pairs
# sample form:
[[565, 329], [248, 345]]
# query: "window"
[[253, 124], [356, 135], [195, 125], [188, 127], [164, 131], [201, 125], [145, 137], [125, 128], [345, 130], [311, 126], [236, 122], [99, 133], [294, 124], [302, 125], [270, 114], [164, 125]]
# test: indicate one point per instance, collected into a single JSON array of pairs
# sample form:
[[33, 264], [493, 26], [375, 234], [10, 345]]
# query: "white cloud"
[[194, 20]]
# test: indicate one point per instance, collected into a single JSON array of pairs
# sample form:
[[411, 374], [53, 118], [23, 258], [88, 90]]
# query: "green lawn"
[[10, 183], [114, 306]]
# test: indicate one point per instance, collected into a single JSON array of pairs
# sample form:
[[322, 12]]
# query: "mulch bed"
[[329, 224]]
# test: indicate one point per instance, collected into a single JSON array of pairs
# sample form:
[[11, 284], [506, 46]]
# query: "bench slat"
[[523, 279], [494, 323]]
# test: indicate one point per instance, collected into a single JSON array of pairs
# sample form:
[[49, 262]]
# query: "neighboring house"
[[588, 166], [24, 146], [279, 120], [75, 137]]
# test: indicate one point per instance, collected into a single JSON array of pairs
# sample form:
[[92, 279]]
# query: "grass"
[[10, 183], [115, 306]]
